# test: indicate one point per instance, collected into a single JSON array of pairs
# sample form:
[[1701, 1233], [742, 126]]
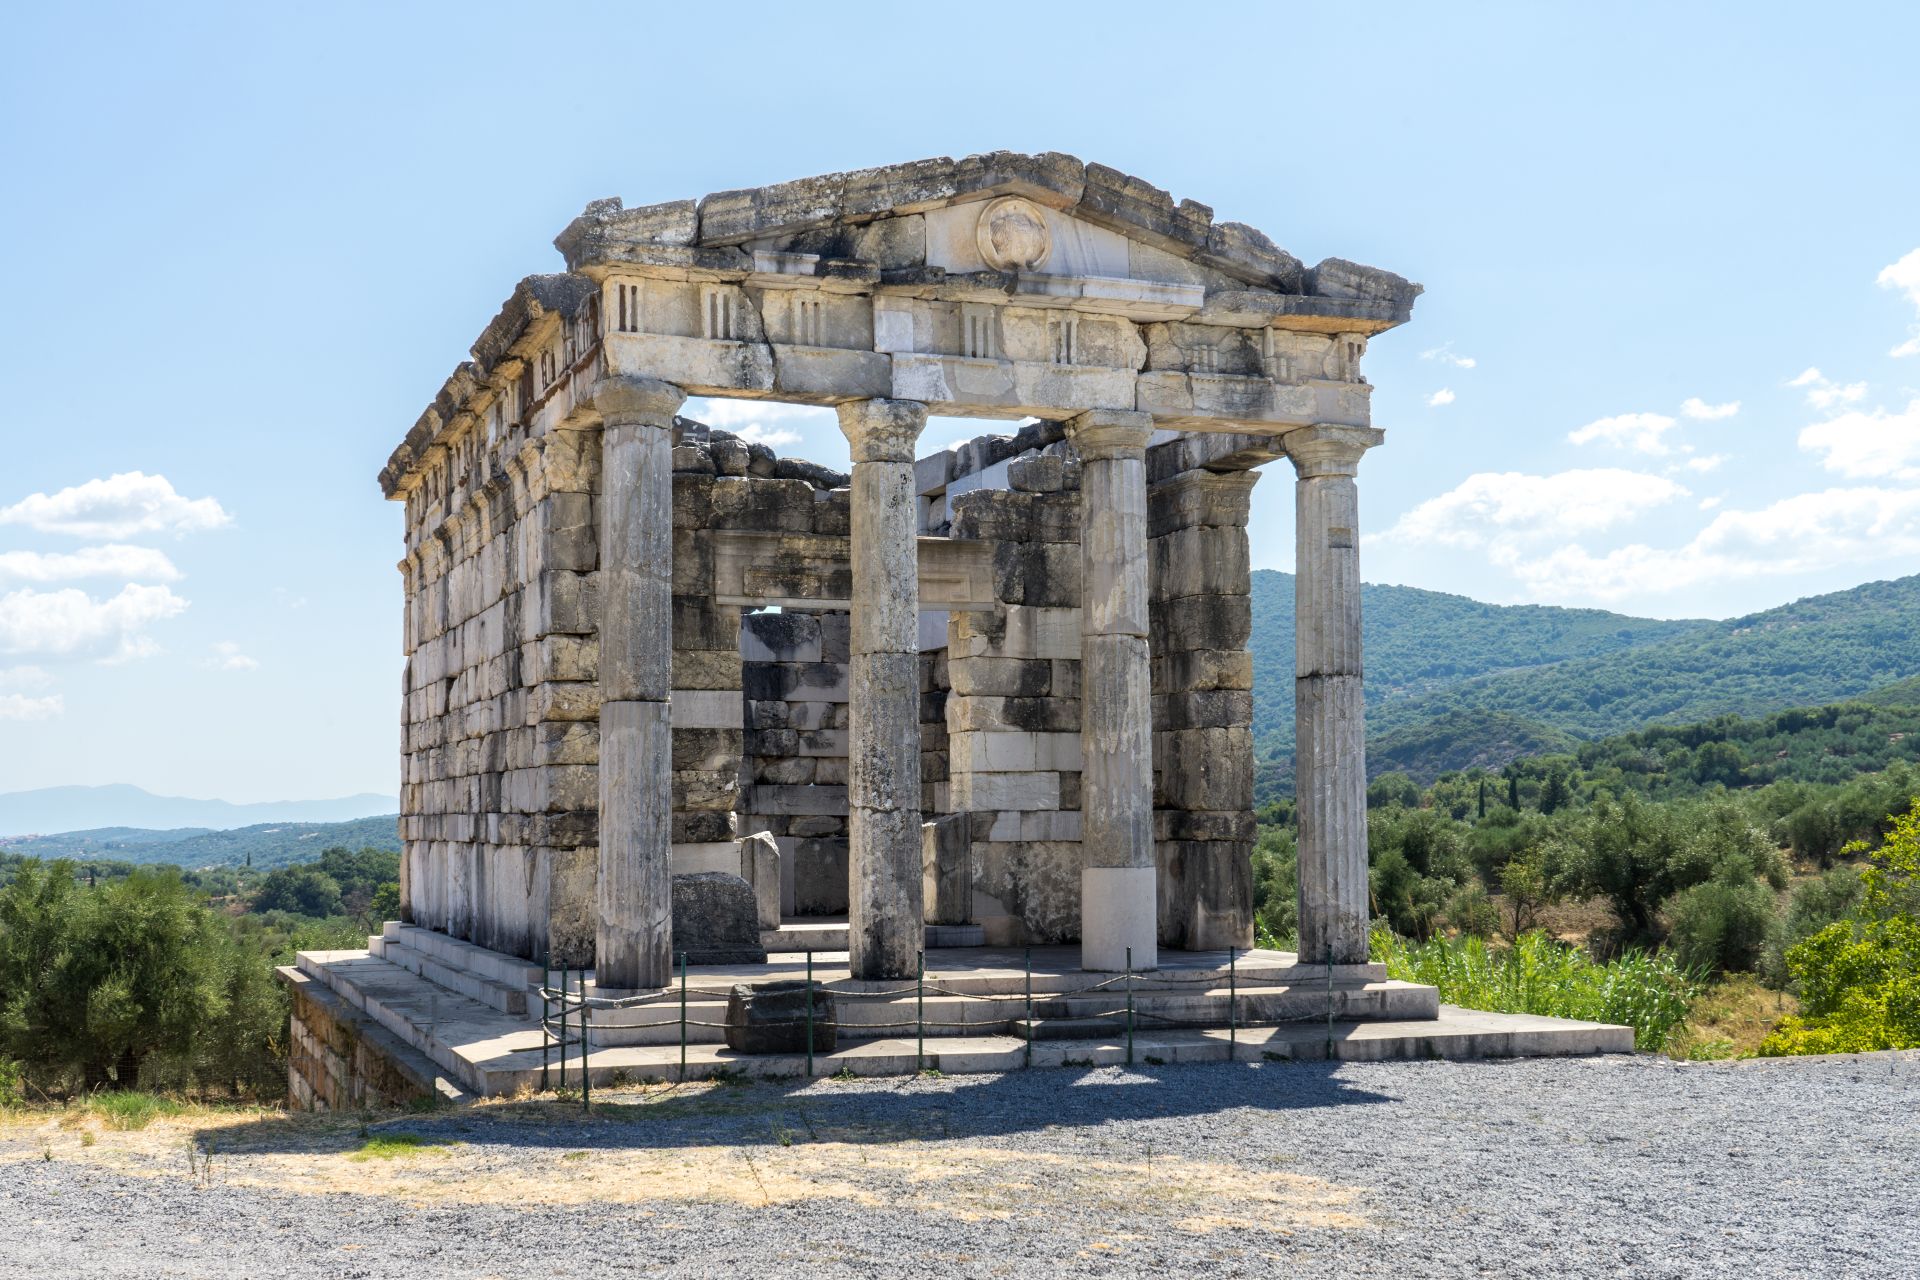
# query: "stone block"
[[762, 504], [1000, 515], [760, 866], [1203, 709], [1040, 473], [946, 863], [1205, 894], [1196, 669], [1204, 769], [1198, 498], [716, 920], [1001, 677], [708, 709], [712, 749], [1014, 751], [974, 792], [820, 876], [780, 637], [698, 623], [1202, 622], [1198, 562], [1042, 573], [707, 669], [775, 1017], [1036, 715]]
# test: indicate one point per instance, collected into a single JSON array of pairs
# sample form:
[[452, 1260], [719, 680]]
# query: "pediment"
[[1003, 215]]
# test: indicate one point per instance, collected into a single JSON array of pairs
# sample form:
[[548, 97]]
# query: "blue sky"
[[246, 244]]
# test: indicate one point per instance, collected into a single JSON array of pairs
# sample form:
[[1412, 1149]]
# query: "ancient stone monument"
[[1003, 687]]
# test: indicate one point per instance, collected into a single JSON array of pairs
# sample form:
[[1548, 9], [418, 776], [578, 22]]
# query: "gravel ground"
[[1614, 1166]]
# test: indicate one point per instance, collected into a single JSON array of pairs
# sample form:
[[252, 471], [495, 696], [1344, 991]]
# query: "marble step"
[[498, 995], [1213, 1006], [506, 970]]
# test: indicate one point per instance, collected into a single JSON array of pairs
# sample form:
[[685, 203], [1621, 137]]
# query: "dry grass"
[[1731, 1018], [528, 1152]]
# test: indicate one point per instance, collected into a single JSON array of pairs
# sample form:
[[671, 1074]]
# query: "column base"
[[1118, 912]]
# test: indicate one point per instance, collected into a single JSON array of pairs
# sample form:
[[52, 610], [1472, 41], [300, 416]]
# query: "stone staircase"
[[474, 1014]]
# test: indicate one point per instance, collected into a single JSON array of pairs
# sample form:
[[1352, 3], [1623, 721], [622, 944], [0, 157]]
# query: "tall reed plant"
[[1540, 975]]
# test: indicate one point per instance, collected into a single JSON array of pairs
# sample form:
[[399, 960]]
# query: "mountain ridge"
[[55, 810]]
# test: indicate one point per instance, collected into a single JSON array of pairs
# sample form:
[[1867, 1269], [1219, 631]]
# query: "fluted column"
[[634, 937], [1330, 751], [1118, 878], [885, 917]]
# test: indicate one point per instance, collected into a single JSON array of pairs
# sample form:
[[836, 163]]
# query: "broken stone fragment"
[[716, 920], [774, 1017]]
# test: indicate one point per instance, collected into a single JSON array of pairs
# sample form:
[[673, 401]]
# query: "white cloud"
[[17, 706], [114, 560], [227, 657], [121, 506], [1705, 462], [1904, 275], [1640, 432], [69, 621], [1869, 444], [1701, 411], [1824, 393], [1708, 504], [27, 678], [1504, 509], [1443, 396], [1801, 534], [767, 422], [1444, 354]]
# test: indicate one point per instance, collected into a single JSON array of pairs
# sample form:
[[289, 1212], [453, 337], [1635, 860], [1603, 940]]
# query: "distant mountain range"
[[262, 847], [1452, 682], [51, 810]]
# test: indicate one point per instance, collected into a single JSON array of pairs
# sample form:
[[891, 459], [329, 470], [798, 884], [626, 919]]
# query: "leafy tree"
[[300, 890], [1859, 979], [1722, 925]]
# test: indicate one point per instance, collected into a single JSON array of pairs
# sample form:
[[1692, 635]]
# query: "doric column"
[[634, 939], [886, 926], [1330, 751], [1118, 877]]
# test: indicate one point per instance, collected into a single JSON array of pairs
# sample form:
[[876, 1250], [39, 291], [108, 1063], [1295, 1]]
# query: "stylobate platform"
[[474, 1016]]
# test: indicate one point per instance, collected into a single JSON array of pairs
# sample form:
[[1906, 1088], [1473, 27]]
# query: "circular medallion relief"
[[1012, 234]]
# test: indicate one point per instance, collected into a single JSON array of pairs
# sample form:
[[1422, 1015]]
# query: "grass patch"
[[1539, 975], [131, 1109], [398, 1146], [1731, 1018]]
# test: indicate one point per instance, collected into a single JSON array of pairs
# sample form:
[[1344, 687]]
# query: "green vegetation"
[[1859, 978], [1537, 974], [261, 847], [1456, 684], [1712, 860], [122, 977], [391, 1146]]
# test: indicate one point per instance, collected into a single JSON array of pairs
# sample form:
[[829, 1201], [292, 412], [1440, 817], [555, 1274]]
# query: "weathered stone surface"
[[760, 867], [716, 920], [775, 1017], [577, 556]]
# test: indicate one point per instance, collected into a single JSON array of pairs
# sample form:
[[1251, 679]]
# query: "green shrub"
[[1724, 924], [1816, 903], [1859, 979], [303, 890], [1472, 913], [1650, 993]]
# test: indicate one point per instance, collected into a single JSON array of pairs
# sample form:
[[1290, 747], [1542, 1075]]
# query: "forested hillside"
[[1453, 683], [262, 847]]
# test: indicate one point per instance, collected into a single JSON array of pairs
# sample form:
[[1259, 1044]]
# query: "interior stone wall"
[[1199, 620]]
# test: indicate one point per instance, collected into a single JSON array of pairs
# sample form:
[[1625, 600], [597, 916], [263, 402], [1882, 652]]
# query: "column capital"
[[628, 399], [882, 430], [1110, 433], [1329, 450]]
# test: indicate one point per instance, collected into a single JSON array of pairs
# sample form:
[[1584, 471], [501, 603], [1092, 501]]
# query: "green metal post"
[[546, 1031], [566, 984], [683, 1017], [1129, 1006], [809, 1015], [920, 1013], [1029, 1006], [586, 1039]]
